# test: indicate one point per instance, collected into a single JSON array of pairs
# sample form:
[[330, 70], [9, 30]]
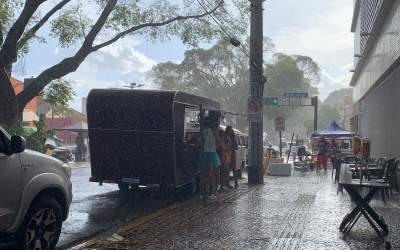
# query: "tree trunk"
[[10, 112], [69, 64]]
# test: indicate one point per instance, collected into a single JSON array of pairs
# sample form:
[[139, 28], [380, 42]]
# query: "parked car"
[[35, 195], [63, 154]]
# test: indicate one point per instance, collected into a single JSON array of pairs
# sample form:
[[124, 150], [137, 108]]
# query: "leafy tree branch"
[[155, 24], [32, 31]]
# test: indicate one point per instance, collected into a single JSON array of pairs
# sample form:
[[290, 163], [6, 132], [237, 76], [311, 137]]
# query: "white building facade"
[[376, 77]]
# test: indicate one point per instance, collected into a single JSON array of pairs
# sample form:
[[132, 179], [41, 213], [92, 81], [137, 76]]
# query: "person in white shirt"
[[210, 157]]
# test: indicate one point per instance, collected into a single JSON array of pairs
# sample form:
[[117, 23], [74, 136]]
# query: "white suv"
[[35, 195]]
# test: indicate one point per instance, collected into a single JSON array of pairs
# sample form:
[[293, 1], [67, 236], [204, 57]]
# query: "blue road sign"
[[291, 94]]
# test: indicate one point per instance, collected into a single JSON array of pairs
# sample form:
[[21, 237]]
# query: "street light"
[[133, 85]]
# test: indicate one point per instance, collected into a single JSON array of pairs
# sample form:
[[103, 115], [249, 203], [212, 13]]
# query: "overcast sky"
[[315, 28]]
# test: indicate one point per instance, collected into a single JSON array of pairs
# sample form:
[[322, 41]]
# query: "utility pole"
[[280, 143], [256, 92], [314, 102]]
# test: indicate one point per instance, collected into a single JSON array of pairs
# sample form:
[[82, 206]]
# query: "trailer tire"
[[123, 187]]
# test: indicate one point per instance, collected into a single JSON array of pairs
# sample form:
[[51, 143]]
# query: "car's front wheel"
[[41, 227]]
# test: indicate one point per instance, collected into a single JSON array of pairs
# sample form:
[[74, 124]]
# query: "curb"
[[130, 225], [146, 218]]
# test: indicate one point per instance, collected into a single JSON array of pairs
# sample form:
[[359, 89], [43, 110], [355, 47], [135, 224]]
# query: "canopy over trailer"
[[138, 136]]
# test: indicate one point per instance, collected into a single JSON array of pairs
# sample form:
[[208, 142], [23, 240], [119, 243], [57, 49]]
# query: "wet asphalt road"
[[95, 208]]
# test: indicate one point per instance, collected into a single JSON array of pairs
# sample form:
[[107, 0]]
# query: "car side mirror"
[[18, 144]]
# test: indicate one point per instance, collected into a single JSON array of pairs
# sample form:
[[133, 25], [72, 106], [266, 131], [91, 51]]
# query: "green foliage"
[[71, 25], [221, 73], [216, 73], [284, 75], [338, 96], [59, 93], [326, 115], [34, 141], [310, 69], [7, 12]]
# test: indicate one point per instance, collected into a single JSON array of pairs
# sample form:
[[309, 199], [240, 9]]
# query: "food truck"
[[137, 137]]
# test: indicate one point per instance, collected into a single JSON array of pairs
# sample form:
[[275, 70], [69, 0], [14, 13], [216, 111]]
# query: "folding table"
[[363, 207]]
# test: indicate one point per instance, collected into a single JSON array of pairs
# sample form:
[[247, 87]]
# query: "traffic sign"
[[254, 109], [271, 100], [291, 94], [279, 123], [289, 101], [254, 106]]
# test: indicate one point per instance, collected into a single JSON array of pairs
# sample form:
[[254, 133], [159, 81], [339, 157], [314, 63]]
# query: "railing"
[[369, 11]]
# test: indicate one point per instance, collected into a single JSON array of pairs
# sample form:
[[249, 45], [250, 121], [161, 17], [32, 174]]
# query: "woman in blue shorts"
[[211, 158]]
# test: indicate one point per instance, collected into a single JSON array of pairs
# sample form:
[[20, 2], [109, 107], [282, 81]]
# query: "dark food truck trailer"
[[137, 137]]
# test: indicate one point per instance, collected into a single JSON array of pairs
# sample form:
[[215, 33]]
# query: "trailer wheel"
[[123, 186]]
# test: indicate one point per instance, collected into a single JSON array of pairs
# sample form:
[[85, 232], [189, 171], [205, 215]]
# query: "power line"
[[220, 24], [225, 20], [243, 48]]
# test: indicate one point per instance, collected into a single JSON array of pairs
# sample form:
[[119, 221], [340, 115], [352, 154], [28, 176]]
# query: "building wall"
[[18, 87], [379, 117], [377, 109], [382, 55], [84, 102], [346, 112]]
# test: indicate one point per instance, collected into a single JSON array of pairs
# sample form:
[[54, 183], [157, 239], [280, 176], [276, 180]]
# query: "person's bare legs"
[[318, 164], [217, 176], [236, 177], [211, 180], [226, 175]]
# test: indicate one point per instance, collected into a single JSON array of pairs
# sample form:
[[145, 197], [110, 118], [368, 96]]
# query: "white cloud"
[[333, 81], [315, 28], [111, 67], [56, 51], [122, 58]]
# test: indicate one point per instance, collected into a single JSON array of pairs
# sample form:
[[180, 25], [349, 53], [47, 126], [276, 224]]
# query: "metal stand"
[[363, 208]]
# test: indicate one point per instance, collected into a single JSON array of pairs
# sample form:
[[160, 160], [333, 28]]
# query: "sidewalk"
[[80, 164], [298, 212]]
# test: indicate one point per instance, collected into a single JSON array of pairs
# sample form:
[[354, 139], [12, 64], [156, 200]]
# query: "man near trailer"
[[322, 158]]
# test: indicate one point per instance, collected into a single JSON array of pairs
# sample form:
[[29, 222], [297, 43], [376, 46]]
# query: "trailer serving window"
[[192, 125]]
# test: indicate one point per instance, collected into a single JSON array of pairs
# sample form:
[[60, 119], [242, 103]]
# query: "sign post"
[[295, 99], [280, 126]]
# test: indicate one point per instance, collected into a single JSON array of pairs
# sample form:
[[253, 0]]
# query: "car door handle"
[[26, 166]]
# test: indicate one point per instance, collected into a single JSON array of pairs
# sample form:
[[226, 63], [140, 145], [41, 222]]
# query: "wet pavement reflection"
[[298, 212], [95, 208]]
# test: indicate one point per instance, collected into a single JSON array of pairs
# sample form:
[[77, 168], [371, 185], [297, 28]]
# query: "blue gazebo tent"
[[333, 130]]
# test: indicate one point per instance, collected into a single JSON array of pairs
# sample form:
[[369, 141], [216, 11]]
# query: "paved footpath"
[[298, 212]]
